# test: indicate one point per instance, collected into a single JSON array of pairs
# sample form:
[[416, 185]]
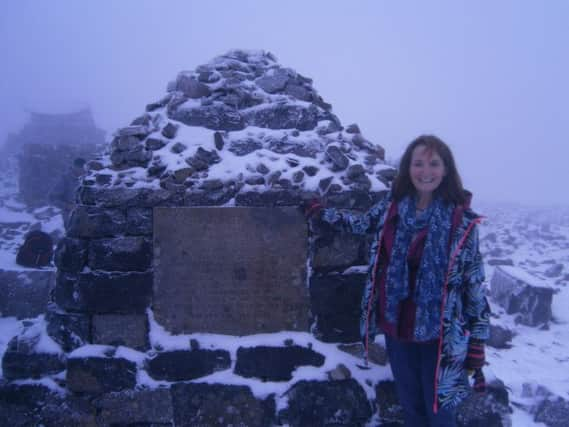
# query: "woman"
[[424, 289]]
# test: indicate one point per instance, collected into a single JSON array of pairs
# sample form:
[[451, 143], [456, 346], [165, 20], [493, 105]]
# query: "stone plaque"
[[235, 271]]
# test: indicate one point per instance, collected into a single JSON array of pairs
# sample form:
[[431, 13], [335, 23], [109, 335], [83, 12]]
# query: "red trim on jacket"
[[385, 246], [457, 215]]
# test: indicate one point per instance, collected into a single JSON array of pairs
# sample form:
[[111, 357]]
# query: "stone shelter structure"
[[188, 237], [46, 147]]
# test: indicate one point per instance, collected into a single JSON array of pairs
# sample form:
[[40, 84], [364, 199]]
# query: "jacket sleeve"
[[354, 222], [368, 325], [476, 308]]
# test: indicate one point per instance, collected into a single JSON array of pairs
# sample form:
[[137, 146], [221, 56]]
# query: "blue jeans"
[[413, 366]]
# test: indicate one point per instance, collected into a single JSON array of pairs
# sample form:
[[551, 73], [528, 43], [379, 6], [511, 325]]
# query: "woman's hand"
[[311, 208]]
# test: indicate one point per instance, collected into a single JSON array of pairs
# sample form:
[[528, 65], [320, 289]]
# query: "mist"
[[489, 78]]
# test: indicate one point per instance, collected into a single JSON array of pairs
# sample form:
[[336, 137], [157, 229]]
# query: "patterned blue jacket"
[[464, 308]]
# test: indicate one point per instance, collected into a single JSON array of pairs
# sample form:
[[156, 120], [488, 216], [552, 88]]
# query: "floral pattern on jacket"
[[465, 310]]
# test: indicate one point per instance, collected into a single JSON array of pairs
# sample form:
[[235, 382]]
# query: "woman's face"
[[427, 170]]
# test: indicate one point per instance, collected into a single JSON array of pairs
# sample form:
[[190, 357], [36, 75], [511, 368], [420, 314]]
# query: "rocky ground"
[[533, 361]]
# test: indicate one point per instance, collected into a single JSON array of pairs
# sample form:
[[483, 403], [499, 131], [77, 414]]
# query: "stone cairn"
[[239, 131]]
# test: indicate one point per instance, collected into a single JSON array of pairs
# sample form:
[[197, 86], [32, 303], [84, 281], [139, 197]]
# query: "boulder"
[[93, 222], [154, 144], [500, 337], [124, 198], [302, 92], [39, 405], [202, 159], [130, 330], [338, 251], [340, 372], [353, 128], [135, 407], [217, 116], [274, 363], [139, 128], [355, 171], [390, 411], [274, 80], [177, 148], [25, 359], [218, 140], [522, 294], [36, 251], [69, 330], [183, 365], [220, 405], [282, 116], [353, 199], [335, 302], [139, 221], [489, 409], [553, 412], [129, 150], [159, 104], [209, 198], [269, 198], [102, 292], [554, 271], [338, 159], [120, 254], [190, 86], [326, 403], [386, 175], [242, 147], [376, 352], [97, 375], [310, 170]]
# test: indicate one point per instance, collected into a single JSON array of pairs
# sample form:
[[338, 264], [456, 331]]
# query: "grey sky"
[[490, 78]]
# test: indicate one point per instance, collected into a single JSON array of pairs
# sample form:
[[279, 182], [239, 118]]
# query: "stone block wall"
[[103, 291], [96, 358], [94, 362]]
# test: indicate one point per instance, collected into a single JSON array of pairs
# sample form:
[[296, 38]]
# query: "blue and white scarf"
[[432, 269]]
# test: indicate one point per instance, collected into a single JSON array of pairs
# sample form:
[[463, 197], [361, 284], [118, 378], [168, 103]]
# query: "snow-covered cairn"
[[239, 131]]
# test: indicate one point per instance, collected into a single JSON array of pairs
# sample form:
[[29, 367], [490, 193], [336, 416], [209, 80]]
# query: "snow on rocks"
[[32, 353], [239, 131], [244, 123], [523, 294]]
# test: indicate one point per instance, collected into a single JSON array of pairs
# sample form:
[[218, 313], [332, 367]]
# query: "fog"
[[490, 78]]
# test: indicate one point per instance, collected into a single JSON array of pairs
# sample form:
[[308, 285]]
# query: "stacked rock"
[[242, 124], [241, 130]]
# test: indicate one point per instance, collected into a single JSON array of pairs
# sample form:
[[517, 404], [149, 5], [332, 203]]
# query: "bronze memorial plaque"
[[235, 271]]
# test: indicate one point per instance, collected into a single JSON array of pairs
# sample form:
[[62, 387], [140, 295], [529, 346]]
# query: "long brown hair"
[[450, 189]]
